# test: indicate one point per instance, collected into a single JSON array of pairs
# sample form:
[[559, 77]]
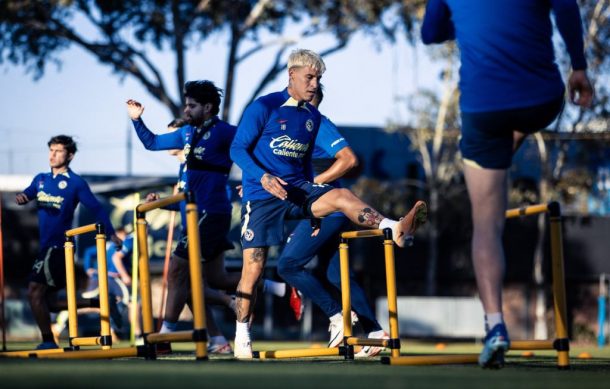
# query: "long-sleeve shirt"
[[506, 46], [57, 197], [276, 136], [328, 143], [208, 162]]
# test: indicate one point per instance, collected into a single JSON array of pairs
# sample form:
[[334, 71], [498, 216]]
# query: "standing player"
[[58, 193], [332, 158], [273, 146], [205, 141], [510, 87]]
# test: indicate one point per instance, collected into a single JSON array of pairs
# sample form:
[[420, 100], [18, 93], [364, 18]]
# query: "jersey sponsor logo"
[[38, 265], [46, 200], [336, 142], [309, 125], [249, 235], [62, 185], [287, 147]]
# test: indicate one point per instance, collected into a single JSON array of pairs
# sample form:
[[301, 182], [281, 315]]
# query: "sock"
[[241, 330], [336, 317], [218, 340], [276, 288], [168, 326], [387, 223], [48, 338], [493, 319]]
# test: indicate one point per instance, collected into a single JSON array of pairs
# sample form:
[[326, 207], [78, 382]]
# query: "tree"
[[123, 34]]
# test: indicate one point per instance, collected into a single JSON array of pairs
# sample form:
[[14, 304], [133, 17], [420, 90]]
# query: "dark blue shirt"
[[276, 136], [207, 168], [506, 47], [57, 198]]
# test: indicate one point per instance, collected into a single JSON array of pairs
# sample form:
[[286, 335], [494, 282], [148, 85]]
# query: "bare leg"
[[254, 263], [37, 294], [177, 289], [218, 276], [487, 190], [366, 216]]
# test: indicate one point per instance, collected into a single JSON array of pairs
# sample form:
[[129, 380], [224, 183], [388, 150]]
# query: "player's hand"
[[275, 186], [152, 197], [117, 241], [580, 89], [21, 198], [240, 190], [316, 224], [134, 109], [126, 278]]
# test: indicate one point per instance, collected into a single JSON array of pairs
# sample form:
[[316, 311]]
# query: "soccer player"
[[205, 142], [510, 87], [332, 159], [273, 147], [57, 194]]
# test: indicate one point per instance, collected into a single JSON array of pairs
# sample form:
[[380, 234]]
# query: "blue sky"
[[364, 86]]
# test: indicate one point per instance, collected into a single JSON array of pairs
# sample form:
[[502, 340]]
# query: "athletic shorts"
[[262, 221], [487, 137], [50, 268], [213, 231]]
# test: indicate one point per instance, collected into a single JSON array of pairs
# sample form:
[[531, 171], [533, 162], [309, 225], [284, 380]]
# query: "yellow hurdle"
[[561, 343], [75, 342], [349, 341], [199, 333]]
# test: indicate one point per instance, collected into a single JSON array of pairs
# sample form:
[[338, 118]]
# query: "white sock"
[[387, 223], [336, 317], [168, 326], [241, 330], [276, 288], [493, 319]]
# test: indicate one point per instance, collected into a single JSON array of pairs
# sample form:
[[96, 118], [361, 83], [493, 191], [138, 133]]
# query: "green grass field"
[[180, 370]]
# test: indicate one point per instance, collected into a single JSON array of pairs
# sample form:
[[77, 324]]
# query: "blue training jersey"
[[126, 249], [328, 143], [276, 136], [57, 198], [506, 47], [208, 162]]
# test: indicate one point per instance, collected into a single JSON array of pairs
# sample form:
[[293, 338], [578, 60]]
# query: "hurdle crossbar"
[[561, 343], [347, 349], [199, 333]]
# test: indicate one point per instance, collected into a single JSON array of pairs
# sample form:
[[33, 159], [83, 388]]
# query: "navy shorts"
[[262, 222], [213, 232], [50, 268], [487, 137]]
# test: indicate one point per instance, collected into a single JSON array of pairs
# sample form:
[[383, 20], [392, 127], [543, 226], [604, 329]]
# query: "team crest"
[[283, 124], [206, 135], [249, 235], [62, 185], [309, 125]]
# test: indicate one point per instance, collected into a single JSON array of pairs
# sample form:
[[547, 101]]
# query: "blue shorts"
[[213, 232], [487, 137], [50, 268], [262, 222]]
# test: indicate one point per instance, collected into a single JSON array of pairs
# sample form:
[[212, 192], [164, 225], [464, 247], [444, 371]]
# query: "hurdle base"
[[301, 353], [418, 360]]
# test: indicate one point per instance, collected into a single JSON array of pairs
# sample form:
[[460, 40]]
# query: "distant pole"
[[129, 147]]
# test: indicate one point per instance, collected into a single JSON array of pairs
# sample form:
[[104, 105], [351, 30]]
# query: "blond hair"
[[304, 57]]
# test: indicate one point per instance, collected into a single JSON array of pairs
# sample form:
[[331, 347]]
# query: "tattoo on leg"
[[258, 255], [369, 217]]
